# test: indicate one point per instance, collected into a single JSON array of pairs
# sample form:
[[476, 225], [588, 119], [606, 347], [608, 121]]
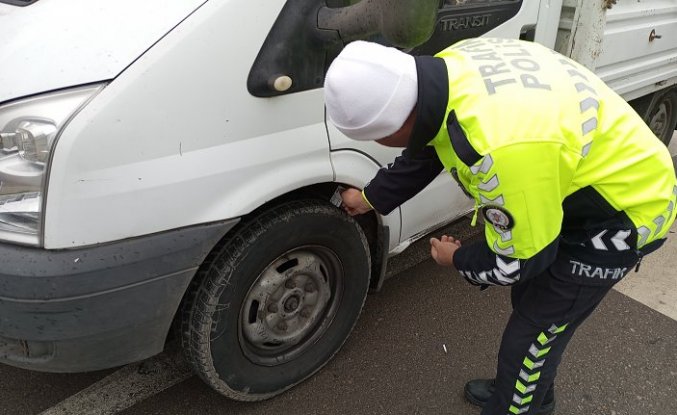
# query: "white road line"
[[655, 285], [126, 387]]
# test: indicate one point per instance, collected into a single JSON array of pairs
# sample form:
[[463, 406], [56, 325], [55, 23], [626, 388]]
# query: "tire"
[[662, 116], [276, 301]]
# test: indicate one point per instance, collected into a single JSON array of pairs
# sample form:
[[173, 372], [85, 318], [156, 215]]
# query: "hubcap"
[[290, 305]]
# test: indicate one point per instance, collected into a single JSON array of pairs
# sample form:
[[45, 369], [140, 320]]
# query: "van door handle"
[[653, 35]]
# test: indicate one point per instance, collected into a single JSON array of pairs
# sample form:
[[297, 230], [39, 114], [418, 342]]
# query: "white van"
[[168, 165]]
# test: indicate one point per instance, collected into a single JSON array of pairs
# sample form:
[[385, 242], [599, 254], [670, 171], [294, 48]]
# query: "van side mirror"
[[403, 23], [308, 35]]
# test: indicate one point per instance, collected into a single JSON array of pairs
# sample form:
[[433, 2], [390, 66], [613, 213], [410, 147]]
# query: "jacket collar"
[[431, 106]]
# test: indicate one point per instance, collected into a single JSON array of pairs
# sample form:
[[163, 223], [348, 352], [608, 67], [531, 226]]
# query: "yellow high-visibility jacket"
[[554, 159]]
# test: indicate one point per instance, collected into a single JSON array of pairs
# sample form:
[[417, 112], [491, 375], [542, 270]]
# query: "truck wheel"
[[662, 116], [273, 304]]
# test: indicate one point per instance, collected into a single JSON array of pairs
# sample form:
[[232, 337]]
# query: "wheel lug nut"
[[290, 284], [305, 313], [310, 287], [282, 326], [272, 308]]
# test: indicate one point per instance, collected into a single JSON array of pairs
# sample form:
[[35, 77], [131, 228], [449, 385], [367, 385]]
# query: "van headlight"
[[28, 129]]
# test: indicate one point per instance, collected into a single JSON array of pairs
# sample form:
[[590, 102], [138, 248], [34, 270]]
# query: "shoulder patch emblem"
[[499, 217]]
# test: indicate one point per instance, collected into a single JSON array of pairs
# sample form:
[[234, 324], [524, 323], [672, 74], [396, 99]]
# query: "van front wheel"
[[276, 301]]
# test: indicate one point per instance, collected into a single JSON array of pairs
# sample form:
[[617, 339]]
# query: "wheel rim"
[[290, 305], [660, 119]]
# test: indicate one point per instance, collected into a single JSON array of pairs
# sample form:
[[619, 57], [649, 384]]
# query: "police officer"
[[574, 188]]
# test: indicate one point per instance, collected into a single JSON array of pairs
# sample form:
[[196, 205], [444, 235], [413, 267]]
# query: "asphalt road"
[[623, 361]]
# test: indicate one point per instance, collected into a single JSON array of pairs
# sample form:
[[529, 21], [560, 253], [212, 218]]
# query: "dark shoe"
[[478, 392]]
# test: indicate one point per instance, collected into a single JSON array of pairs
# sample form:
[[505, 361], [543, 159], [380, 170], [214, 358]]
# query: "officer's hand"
[[442, 250], [353, 202]]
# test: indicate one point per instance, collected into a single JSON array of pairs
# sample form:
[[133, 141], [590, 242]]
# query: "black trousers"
[[547, 310]]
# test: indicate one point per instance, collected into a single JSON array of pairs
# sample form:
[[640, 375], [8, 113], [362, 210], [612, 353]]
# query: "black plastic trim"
[[20, 3], [296, 48], [100, 306], [380, 259], [456, 22]]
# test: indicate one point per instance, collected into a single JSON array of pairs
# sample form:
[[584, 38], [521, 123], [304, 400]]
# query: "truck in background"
[[168, 168], [629, 44]]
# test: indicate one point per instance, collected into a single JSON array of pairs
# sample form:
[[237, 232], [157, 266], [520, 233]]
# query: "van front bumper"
[[98, 307]]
